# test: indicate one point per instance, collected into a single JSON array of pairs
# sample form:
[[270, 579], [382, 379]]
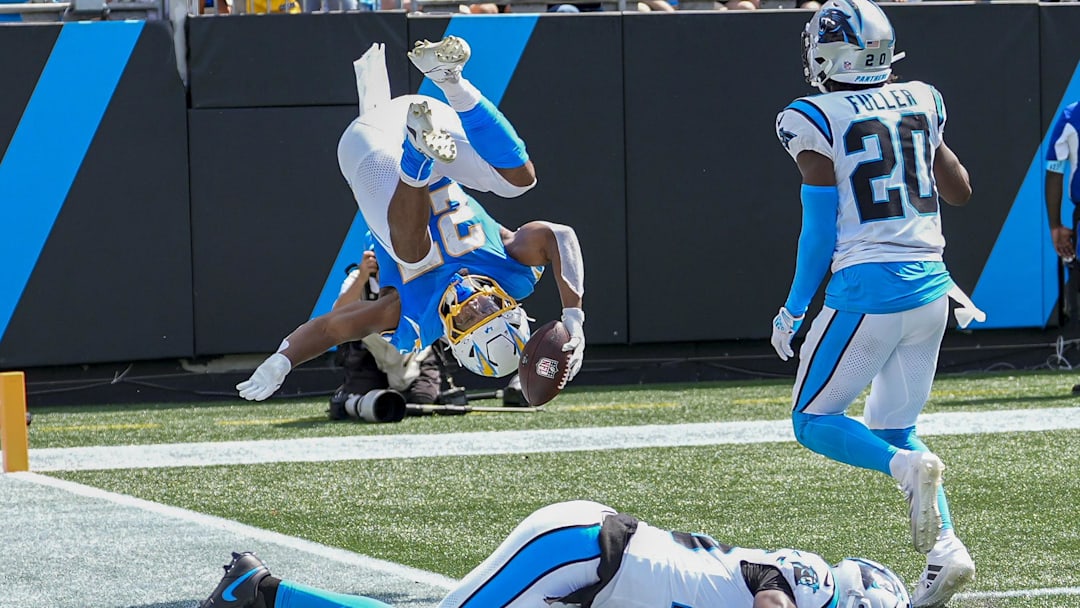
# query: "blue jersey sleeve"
[[816, 243]]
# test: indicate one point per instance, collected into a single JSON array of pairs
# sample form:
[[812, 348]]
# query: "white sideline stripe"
[[258, 534], [980, 595], [324, 449]]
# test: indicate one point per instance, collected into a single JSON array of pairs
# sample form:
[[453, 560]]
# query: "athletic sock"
[[843, 439], [267, 595], [492, 136], [415, 165], [462, 95], [295, 595]]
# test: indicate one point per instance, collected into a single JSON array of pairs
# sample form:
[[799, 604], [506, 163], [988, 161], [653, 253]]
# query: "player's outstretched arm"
[[347, 323], [953, 182], [542, 243]]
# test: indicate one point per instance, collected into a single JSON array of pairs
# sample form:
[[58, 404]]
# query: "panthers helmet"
[[863, 583], [487, 329], [849, 41]]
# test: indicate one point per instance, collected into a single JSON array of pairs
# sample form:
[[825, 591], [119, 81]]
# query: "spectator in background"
[[655, 6], [1061, 157], [12, 17], [322, 6]]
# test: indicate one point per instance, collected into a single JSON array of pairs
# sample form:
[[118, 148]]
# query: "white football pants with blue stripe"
[[550, 554], [895, 353]]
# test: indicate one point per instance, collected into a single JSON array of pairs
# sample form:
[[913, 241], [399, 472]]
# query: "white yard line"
[[322, 449], [256, 534]]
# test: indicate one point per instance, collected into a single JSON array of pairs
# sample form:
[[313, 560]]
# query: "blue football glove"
[[784, 326]]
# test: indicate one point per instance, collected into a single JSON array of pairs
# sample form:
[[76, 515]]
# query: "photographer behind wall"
[[374, 368]]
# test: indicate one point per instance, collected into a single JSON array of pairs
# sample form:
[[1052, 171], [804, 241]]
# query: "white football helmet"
[[487, 329], [863, 583], [849, 41]]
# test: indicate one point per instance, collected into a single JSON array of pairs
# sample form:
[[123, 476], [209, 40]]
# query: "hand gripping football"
[[543, 365]]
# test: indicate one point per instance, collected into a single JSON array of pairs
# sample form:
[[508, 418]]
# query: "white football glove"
[[266, 379], [784, 326], [573, 319]]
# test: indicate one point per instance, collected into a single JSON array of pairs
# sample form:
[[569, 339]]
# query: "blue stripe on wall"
[[1008, 290], [497, 42], [51, 140], [352, 251]]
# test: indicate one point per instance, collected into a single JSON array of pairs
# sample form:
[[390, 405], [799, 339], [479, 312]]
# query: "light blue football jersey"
[[466, 238]]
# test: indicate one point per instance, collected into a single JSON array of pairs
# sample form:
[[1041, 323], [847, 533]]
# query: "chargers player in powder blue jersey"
[[582, 554], [446, 267], [1061, 156], [421, 293], [874, 166]]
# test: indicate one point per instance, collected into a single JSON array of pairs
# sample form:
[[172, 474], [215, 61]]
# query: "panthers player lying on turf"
[[446, 267], [874, 167], [585, 554]]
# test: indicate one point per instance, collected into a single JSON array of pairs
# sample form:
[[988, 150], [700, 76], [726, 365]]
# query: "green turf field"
[[1014, 496]]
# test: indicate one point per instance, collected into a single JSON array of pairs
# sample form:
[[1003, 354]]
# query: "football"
[[543, 364]]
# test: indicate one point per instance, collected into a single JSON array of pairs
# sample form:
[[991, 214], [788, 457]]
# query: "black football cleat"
[[240, 585]]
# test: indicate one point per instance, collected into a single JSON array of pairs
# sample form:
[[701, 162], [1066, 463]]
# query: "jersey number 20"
[[912, 132]]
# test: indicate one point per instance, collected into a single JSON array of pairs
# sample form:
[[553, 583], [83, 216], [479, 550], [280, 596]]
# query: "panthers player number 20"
[[912, 132]]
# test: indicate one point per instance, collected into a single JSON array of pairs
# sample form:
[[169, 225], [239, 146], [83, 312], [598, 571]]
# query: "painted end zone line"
[[331, 553], [325, 449]]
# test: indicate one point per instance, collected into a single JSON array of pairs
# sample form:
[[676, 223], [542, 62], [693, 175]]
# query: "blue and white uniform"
[[556, 551], [465, 237], [885, 306], [1061, 153], [463, 234]]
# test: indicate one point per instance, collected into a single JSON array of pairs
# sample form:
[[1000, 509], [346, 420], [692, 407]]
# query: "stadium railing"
[[85, 9]]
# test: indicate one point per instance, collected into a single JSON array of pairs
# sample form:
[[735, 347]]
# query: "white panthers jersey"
[[666, 569], [882, 142]]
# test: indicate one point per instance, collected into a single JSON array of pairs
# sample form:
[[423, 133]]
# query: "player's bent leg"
[[842, 353], [842, 439], [550, 554]]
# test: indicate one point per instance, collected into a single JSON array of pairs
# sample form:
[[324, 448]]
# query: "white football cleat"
[[441, 61], [920, 480], [433, 142], [948, 568]]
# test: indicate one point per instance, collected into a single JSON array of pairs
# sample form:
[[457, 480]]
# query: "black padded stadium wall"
[[215, 220], [269, 213], [712, 187], [560, 82], [711, 196], [270, 210], [259, 61], [94, 195]]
